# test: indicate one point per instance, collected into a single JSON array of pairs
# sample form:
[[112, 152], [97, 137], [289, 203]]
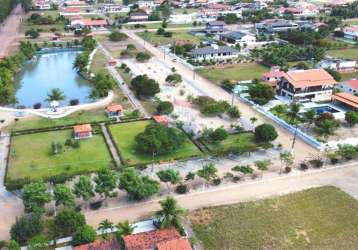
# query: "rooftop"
[[82, 128], [175, 244], [114, 108], [309, 78], [161, 119], [99, 245], [217, 23], [347, 98], [211, 50], [353, 83], [236, 35]]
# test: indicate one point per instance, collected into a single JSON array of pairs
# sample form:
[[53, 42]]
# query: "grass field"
[[240, 72], [353, 21], [319, 218], [153, 38], [99, 62], [344, 53], [26, 25], [30, 155], [243, 140], [124, 137]]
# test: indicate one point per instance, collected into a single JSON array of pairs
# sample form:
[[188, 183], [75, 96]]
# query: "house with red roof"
[[162, 239], [350, 86], [347, 100], [114, 110], [273, 76], [162, 119], [82, 131], [42, 5], [99, 245], [306, 85], [80, 23]]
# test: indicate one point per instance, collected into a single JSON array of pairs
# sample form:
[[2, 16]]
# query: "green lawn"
[[344, 53], [30, 155], [124, 137], [153, 38], [353, 21], [240, 72], [244, 140], [319, 218], [99, 62]]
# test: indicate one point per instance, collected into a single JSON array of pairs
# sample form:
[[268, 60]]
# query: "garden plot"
[[31, 155], [178, 95]]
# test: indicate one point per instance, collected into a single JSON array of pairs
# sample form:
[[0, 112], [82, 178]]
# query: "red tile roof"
[[163, 119], [149, 240], [346, 98], [114, 108], [309, 78], [82, 128], [176, 244], [71, 10], [353, 83], [99, 245], [273, 73]]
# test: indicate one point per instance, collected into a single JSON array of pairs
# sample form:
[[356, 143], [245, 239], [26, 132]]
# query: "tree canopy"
[[265, 133], [261, 93], [145, 86], [35, 196]]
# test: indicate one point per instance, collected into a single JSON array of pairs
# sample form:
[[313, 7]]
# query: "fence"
[[308, 139]]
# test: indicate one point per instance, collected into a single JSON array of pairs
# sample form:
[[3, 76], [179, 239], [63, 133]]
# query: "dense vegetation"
[[6, 8], [348, 11]]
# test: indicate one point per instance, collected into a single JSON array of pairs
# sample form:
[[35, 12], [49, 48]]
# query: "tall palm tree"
[[170, 215], [55, 95], [124, 228], [293, 113], [104, 226]]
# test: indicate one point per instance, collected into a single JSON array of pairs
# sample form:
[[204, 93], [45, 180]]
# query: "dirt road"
[[302, 150], [9, 30]]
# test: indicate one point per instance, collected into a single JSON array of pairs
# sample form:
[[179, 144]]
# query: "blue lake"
[[47, 71]]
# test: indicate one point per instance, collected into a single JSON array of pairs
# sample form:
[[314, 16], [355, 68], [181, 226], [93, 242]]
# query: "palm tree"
[[124, 228], [287, 158], [253, 120], [170, 214], [55, 95], [293, 113], [104, 226]]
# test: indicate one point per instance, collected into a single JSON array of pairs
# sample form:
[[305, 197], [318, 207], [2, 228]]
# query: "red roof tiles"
[[176, 244], [346, 98], [353, 83], [162, 119], [82, 128], [309, 78], [114, 108], [99, 245]]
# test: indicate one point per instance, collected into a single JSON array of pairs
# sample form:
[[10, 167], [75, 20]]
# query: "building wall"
[[348, 89]]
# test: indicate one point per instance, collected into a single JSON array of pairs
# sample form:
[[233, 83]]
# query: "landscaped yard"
[[319, 218], [351, 53], [242, 140], [60, 26], [239, 72], [31, 155], [124, 137], [153, 38]]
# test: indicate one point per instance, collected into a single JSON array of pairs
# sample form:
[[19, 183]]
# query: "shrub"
[[26, 227], [218, 135], [233, 112], [84, 235], [142, 57], [165, 107], [117, 36], [317, 163], [303, 166], [265, 133], [37, 105], [182, 189], [287, 169], [96, 205], [217, 181], [74, 102]]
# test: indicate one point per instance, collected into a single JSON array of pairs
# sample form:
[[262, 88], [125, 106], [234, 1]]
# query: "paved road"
[[345, 178], [111, 146], [302, 150]]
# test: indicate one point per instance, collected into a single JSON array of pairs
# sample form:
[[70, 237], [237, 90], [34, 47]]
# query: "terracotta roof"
[[273, 73], [89, 22], [71, 10], [149, 240], [82, 128], [114, 108], [161, 118], [99, 245], [347, 98], [75, 3], [309, 78], [353, 83], [351, 29], [176, 244]]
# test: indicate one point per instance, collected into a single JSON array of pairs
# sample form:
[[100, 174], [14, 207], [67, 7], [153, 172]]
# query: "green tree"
[[117, 36], [138, 187], [13, 245], [81, 62], [144, 86], [124, 228], [170, 214], [294, 116], [142, 57], [265, 133], [233, 112], [218, 135], [326, 127], [165, 108], [335, 74], [253, 120], [106, 182], [35, 196], [102, 84], [351, 117], [286, 158], [64, 196], [169, 176], [207, 172], [26, 227], [55, 95], [309, 116], [262, 165], [347, 151], [173, 78], [38, 242], [106, 227], [67, 222], [261, 93], [84, 235], [84, 188]]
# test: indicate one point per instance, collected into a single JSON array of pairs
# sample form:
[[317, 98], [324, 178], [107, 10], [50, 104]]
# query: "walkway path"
[[345, 178], [302, 150], [111, 146]]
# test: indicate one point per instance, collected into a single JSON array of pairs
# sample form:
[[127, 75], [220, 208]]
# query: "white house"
[[80, 23], [42, 5], [214, 52], [183, 18], [351, 32], [238, 37], [350, 86], [338, 65], [306, 85], [113, 8]]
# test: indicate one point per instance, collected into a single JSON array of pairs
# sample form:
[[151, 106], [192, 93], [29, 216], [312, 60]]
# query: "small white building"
[[214, 52], [351, 32], [338, 65], [80, 23], [113, 8], [183, 18], [350, 86], [238, 37], [42, 5]]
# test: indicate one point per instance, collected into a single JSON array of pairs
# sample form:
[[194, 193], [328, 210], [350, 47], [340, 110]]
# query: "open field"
[[99, 62], [124, 137], [344, 53], [239, 72], [30, 155], [319, 218], [243, 140], [26, 25], [153, 38]]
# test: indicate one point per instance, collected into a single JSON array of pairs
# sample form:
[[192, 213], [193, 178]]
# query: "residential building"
[[113, 8], [161, 119], [350, 86], [183, 18], [82, 131], [276, 25], [338, 65], [162, 239], [114, 111], [273, 76], [306, 85], [100, 245], [215, 27], [346, 100], [351, 32], [42, 5], [80, 23], [138, 16], [238, 37], [214, 52], [78, 4]]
